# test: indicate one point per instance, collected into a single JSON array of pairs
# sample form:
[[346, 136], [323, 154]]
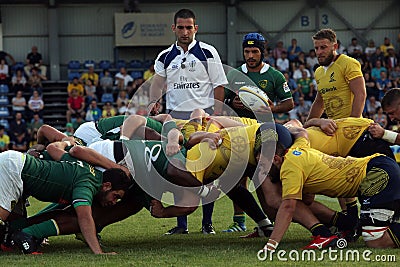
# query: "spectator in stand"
[[302, 110], [108, 110], [90, 75], [371, 106], [293, 87], [93, 112], [395, 76], [35, 80], [4, 72], [360, 57], [18, 81], [380, 118], [269, 57], [149, 72], [353, 45], [282, 64], [106, 81], [122, 78], [298, 73], [278, 50], [35, 105], [4, 139], [392, 60], [76, 105], [4, 55], [377, 56], [311, 60], [377, 70], [18, 133], [383, 84], [370, 49], [18, 103], [300, 60], [341, 49], [75, 85], [69, 129], [370, 85], [34, 124], [293, 50], [122, 102], [90, 90], [307, 88], [385, 46], [78, 121], [34, 60]]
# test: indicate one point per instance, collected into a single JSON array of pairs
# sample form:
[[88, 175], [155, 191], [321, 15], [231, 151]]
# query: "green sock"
[[42, 230], [239, 218]]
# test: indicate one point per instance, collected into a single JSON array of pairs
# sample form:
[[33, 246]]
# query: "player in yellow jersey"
[[340, 83], [303, 170], [341, 87]]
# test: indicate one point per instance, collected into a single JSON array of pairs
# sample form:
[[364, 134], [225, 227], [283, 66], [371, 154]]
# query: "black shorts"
[[366, 146], [380, 187]]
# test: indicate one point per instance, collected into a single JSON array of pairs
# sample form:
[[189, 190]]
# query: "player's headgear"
[[272, 133], [254, 39]]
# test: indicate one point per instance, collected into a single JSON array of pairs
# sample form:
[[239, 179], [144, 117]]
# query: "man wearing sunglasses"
[[192, 73]]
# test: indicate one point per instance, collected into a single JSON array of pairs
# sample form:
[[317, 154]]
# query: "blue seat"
[[74, 65], [104, 64], [5, 123], [120, 63], [147, 63], [18, 65], [136, 74], [73, 74], [89, 63], [106, 97], [4, 100], [4, 89], [135, 64], [4, 112]]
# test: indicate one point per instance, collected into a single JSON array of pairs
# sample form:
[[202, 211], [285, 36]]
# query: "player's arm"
[[224, 122], [377, 131], [88, 229], [283, 107], [357, 87], [298, 132], [200, 136], [328, 126], [47, 134], [219, 96], [94, 158], [317, 107], [283, 219], [173, 137], [56, 149], [155, 92]]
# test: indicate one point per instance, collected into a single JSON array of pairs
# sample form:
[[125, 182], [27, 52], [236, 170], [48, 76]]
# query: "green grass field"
[[139, 241]]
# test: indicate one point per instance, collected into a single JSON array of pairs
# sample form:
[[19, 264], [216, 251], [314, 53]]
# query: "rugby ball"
[[253, 97]]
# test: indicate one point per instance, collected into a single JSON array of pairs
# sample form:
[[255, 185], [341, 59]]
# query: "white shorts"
[[106, 148], [11, 185], [88, 133]]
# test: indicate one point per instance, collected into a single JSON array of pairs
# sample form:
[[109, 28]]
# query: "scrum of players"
[[112, 169]]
